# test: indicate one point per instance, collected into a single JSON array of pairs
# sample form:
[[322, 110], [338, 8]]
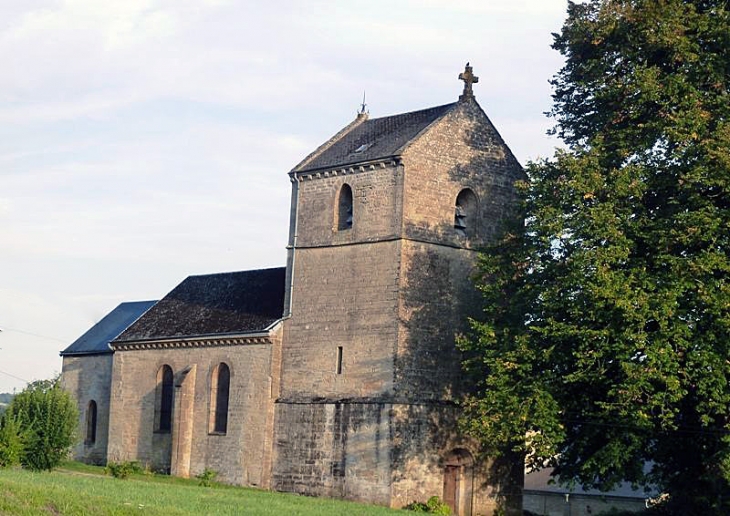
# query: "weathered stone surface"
[[338, 449], [87, 378], [342, 297], [391, 292], [242, 455]]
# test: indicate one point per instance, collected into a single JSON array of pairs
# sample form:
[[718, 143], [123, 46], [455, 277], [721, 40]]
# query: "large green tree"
[[604, 349]]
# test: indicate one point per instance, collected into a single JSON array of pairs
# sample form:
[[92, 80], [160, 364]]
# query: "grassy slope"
[[83, 491]]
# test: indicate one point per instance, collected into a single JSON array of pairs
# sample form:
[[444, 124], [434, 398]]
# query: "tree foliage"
[[11, 442], [45, 417], [605, 341]]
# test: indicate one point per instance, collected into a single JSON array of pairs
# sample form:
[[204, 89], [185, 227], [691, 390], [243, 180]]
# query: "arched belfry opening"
[[459, 481], [343, 213], [465, 213]]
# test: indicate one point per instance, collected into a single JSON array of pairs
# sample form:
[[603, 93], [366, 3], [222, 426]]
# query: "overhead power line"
[[13, 376], [5, 329]]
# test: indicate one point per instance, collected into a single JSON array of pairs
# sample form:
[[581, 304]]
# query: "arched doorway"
[[458, 481]]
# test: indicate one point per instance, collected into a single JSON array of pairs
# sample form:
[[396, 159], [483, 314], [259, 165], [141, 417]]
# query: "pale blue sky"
[[142, 141]]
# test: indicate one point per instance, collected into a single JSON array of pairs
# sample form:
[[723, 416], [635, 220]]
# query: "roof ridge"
[[369, 139], [234, 272], [359, 119], [410, 113]]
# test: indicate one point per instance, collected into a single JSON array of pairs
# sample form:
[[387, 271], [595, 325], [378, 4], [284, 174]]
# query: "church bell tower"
[[386, 219]]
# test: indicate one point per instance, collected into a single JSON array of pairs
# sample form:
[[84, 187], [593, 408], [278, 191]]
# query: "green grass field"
[[81, 490]]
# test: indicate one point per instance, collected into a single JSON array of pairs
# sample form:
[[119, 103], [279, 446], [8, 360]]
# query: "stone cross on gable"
[[469, 78]]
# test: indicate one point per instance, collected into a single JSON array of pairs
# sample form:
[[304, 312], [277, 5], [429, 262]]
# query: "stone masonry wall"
[[332, 427], [339, 449], [376, 213], [88, 377], [242, 455], [344, 296], [461, 150], [555, 504], [436, 296], [424, 437], [387, 454]]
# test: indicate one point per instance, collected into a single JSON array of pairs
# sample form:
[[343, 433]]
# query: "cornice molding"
[[308, 175], [192, 343], [464, 247]]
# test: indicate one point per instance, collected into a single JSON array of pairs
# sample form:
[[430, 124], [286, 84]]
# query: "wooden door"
[[458, 480]]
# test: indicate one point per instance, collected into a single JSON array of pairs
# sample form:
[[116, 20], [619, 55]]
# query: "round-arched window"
[[219, 395], [163, 399]]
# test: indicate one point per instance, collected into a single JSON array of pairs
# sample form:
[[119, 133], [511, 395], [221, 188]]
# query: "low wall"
[[561, 504]]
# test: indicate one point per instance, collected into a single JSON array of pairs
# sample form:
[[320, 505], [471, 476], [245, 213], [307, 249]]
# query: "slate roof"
[[372, 139], [96, 340], [212, 304]]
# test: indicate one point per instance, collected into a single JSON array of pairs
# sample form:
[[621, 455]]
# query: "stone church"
[[334, 376]]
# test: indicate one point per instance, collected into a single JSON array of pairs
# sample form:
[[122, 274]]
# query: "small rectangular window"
[[339, 360]]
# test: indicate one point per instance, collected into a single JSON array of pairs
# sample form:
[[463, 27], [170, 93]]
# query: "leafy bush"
[[123, 469], [11, 442], [416, 507], [207, 477], [46, 417], [434, 505]]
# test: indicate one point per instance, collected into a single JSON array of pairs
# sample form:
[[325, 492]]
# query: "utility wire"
[[5, 328], [13, 376]]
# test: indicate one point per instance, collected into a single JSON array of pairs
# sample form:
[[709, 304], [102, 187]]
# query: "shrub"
[[11, 442], [123, 469], [207, 477], [434, 505], [47, 418]]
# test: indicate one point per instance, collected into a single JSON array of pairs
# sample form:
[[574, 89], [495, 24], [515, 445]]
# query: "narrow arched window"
[[343, 214], [465, 212], [163, 399], [219, 393], [91, 422]]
